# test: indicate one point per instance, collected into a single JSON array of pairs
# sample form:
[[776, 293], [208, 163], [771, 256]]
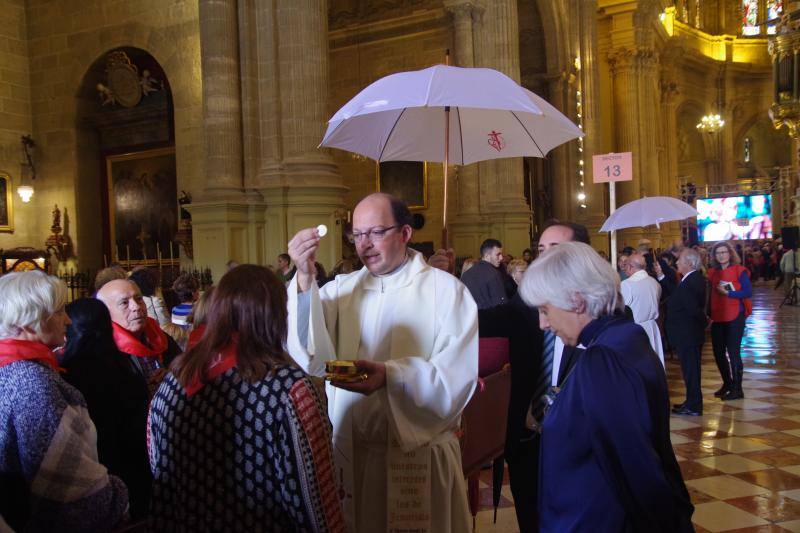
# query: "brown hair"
[[250, 304], [185, 286], [713, 255]]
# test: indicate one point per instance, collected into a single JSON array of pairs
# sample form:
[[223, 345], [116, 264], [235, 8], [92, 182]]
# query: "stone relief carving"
[[124, 85]]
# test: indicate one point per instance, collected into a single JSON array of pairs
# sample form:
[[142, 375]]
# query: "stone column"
[[506, 207], [669, 147], [636, 105], [227, 222], [222, 105], [595, 214], [300, 183], [467, 227]]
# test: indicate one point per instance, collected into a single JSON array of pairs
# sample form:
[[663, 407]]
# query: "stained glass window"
[[774, 10], [750, 17]]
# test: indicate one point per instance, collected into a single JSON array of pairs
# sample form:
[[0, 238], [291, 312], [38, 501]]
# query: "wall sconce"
[[27, 168]]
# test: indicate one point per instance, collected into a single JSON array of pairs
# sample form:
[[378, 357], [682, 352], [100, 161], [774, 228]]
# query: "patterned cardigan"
[[239, 456], [50, 478]]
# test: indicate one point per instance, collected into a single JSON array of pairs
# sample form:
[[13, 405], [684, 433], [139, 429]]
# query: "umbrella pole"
[[612, 200], [446, 158]]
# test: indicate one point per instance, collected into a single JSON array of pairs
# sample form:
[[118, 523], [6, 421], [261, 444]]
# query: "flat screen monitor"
[[735, 218]]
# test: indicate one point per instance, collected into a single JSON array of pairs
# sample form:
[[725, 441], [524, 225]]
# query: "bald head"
[[381, 230], [125, 304], [636, 262]]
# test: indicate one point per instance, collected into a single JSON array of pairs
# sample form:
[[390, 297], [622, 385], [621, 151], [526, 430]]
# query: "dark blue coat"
[[607, 463]]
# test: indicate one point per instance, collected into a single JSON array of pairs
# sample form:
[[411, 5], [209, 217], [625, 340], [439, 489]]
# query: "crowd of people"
[[212, 416]]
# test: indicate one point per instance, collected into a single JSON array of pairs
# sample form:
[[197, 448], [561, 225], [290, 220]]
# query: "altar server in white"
[[413, 331], [642, 293]]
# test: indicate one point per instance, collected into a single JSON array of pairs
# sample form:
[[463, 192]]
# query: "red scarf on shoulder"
[[13, 350], [129, 343], [224, 361]]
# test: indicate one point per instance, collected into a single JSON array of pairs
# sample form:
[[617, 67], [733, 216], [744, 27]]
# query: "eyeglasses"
[[373, 234]]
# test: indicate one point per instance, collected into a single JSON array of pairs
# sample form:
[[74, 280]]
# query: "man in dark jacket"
[[484, 280], [685, 326]]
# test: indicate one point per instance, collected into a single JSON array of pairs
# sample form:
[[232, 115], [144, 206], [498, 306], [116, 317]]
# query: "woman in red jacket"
[[730, 306]]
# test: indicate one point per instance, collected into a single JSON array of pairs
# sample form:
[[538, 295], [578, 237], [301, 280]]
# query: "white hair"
[[693, 258], [28, 300], [569, 273]]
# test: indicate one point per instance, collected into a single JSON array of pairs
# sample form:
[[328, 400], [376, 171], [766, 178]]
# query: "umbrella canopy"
[[647, 211], [402, 118]]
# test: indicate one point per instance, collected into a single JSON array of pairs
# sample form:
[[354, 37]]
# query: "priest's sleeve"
[[308, 340], [426, 393]]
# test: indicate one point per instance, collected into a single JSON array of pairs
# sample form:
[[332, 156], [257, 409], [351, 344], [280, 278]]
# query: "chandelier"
[[710, 124]]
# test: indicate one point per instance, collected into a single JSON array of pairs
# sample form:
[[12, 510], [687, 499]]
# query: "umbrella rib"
[[385, 144], [460, 134], [526, 131]]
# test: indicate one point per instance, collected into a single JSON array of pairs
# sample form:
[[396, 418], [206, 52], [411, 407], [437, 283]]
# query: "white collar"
[[687, 275], [638, 275]]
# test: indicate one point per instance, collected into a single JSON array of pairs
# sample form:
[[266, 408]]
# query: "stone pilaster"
[[468, 227], [222, 105], [227, 222], [505, 205], [636, 104], [595, 214], [668, 155], [300, 183]]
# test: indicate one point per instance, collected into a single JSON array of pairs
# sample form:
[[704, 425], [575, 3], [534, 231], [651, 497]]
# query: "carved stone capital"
[[669, 90], [635, 57], [465, 8]]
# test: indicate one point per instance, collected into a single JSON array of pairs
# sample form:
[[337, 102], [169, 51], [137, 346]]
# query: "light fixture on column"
[[27, 169], [711, 123], [579, 112]]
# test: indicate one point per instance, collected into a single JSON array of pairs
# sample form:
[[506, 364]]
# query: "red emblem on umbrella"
[[496, 140]]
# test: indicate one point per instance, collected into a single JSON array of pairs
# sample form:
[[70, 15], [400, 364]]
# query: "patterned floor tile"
[[772, 479], [731, 464], [772, 507], [740, 444], [721, 516], [780, 457], [726, 487]]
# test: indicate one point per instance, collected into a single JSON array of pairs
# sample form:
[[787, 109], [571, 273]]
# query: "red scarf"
[[194, 336], [129, 343], [224, 361], [13, 350]]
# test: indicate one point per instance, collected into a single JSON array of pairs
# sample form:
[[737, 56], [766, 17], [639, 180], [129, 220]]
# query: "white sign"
[[612, 167]]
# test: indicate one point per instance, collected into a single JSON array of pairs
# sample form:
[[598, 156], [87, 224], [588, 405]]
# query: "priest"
[[413, 333]]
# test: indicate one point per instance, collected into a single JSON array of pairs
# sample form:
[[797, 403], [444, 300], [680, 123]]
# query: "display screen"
[[735, 218]]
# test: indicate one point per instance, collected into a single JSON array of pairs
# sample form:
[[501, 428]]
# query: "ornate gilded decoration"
[[784, 49]]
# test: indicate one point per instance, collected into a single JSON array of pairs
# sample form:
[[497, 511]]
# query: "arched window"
[[759, 13], [774, 10], [750, 17]]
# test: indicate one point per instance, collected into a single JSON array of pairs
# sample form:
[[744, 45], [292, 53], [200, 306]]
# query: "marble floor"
[[741, 459]]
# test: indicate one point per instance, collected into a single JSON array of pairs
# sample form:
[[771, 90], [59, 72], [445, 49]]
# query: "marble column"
[[300, 183], [669, 149], [467, 227], [506, 207]]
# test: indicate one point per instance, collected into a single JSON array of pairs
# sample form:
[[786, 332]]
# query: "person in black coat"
[[685, 327], [484, 280], [116, 396]]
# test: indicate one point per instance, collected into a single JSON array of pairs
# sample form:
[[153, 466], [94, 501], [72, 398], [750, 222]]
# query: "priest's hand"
[[376, 378], [303, 251]]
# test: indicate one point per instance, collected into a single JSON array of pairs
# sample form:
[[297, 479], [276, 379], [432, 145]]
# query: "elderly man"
[[686, 324], [413, 331], [150, 350], [642, 294], [607, 463], [484, 280]]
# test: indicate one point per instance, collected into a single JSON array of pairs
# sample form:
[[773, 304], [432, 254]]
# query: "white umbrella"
[[448, 114], [647, 211], [402, 118]]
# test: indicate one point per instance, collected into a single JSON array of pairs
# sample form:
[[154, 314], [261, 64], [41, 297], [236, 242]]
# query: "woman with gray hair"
[[50, 478], [607, 462]]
